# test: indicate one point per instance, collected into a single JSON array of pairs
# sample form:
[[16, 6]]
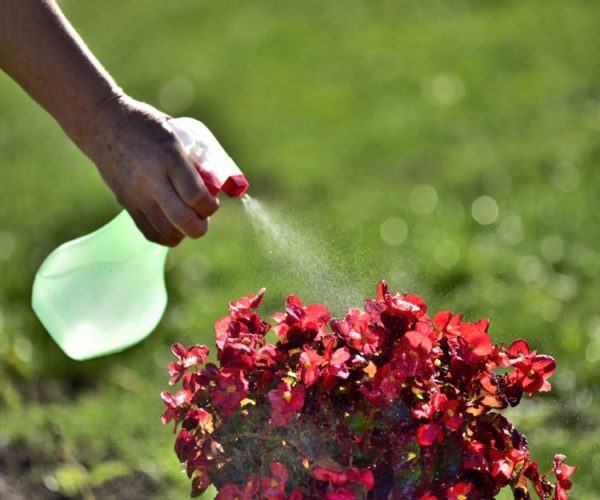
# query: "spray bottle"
[[103, 292]]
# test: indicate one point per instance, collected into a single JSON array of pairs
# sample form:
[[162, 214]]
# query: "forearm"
[[41, 51]]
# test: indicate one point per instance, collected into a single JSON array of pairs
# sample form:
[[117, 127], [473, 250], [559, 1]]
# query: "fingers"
[[149, 231], [170, 234], [179, 214], [190, 188]]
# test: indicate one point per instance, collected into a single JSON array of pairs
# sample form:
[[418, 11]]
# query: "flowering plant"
[[384, 403]]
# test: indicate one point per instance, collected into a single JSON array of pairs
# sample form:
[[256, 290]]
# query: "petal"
[[383, 290], [330, 475], [178, 350], [544, 365], [427, 434], [442, 319], [518, 348]]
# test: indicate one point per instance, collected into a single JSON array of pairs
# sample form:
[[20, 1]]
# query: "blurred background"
[[451, 147]]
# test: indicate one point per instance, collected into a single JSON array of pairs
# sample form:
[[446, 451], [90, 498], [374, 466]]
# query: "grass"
[[374, 126]]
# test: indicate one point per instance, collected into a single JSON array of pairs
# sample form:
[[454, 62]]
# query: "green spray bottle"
[[104, 292]]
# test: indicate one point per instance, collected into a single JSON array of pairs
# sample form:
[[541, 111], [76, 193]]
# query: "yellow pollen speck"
[[287, 395], [437, 362], [274, 484], [530, 373], [450, 412], [231, 389]]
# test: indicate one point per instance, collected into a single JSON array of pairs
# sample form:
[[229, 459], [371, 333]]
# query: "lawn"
[[451, 147]]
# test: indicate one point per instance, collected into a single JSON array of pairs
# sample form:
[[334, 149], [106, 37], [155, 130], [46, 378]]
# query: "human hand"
[[142, 161]]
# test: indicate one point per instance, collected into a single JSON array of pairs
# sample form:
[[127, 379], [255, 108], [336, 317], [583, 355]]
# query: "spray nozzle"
[[218, 171]]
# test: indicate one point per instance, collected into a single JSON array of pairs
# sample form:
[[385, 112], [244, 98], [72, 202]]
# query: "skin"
[[134, 150]]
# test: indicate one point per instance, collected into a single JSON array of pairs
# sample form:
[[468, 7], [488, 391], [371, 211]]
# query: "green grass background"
[[374, 126]]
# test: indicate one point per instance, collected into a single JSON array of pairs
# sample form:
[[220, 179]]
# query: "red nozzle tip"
[[235, 186]]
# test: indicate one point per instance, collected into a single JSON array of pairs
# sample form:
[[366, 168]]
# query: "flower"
[[186, 358], [310, 362], [300, 324], [273, 486], [428, 434], [563, 474], [386, 402], [286, 402], [532, 370], [460, 491], [230, 389]]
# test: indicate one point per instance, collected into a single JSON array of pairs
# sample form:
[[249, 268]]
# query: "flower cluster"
[[386, 402]]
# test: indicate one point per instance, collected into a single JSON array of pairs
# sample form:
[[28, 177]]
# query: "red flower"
[[475, 341], [198, 418], [363, 390], [412, 356], [236, 354], [334, 365], [177, 405], [460, 491], [185, 445], [231, 387], [439, 404], [563, 474], [342, 477], [341, 493], [531, 370], [234, 491], [363, 476], [274, 486], [248, 302], [286, 402], [195, 355], [301, 324], [428, 434], [330, 475], [310, 361], [359, 332]]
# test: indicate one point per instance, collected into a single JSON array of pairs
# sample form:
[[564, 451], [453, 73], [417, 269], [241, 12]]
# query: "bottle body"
[[102, 292]]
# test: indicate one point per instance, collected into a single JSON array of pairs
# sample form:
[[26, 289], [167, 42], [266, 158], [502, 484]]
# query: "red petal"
[[330, 475], [417, 301], [383, 290], [427, 434], [483, 324], [364, 476], [257, 299], [543, 365], [442, 319], [518, 348], [279, 472], [178, 350], [317, 312]]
